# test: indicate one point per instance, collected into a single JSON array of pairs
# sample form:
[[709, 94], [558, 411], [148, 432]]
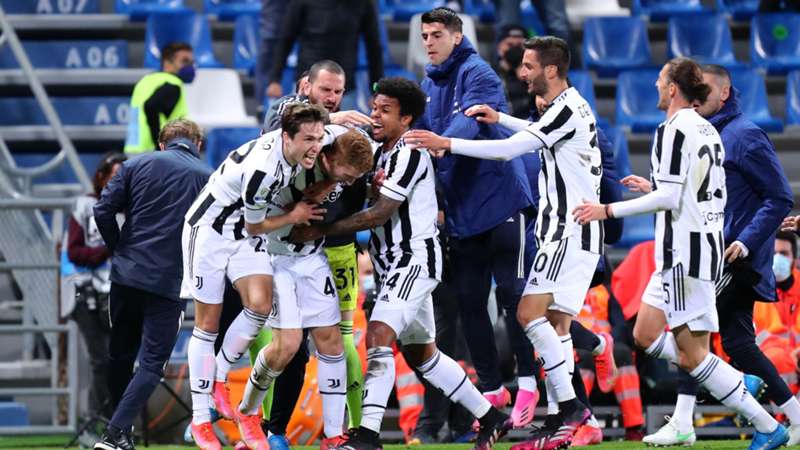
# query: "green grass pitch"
[[57, 442]]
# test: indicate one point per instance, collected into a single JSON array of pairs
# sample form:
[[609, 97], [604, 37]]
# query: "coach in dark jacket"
[[759, 197], [486, 202], [154, 191]]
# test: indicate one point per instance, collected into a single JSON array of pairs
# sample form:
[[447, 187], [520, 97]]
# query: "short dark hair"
[[686, 73], [104, 168], [180, 128], [551, 51], [170, 50], [719, 71], [327, 65], [788, 236], [297, 82], [445, 16], [297, 114], [408, 93]]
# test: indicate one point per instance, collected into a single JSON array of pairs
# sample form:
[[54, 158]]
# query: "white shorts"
[[683, 299], [564, 269], [303, 292], [404, 302], [208, 258]]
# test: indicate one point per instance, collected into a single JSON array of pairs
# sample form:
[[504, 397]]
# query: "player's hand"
[[791, 223], [589, 212], [635, 183], [354, 118], [735, 251], [302, 234], [377, 182], [483, 113], [422, 139], [274, 90], [317, 192], [303, 212]]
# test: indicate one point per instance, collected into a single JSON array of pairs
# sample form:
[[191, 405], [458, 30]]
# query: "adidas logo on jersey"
[[385, 298], [534, 282]]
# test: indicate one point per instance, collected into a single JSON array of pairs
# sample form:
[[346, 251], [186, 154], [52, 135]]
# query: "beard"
[[538, 86]]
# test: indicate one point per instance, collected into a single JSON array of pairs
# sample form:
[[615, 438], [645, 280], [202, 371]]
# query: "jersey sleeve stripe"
[[385, 186], [392, 165], [253, 185], [411, 169], [559, 120], [675, 160]]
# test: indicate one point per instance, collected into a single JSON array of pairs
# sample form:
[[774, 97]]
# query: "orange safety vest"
[[410, 395], [594, 314], [631, 277], [780, 320]]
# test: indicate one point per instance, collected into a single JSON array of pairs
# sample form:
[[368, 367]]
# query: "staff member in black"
[[154, 191]]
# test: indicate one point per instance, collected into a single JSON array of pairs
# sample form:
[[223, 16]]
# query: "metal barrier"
[[54, 390]]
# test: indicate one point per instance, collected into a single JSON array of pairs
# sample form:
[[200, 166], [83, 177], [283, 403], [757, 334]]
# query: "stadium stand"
[[231, 9], [636, 229], [601, 44], [793, 98], [245, 43], [174, 26], [405, 10], [141, 9], [775, 42], [704, 36], [754, 99], [637, 99], [619, 143], [215, 99], [51, 7], [221, 141], [530, 19], [100, 54], [738, 9], [660, 10], [579, 10]]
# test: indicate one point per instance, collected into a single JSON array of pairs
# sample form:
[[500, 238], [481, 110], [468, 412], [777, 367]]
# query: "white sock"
[[237, 339], [601, 347], [378, 383], [261, 377], [552, 404], [200, 355], [551, 352], [528, 383], [792, 410], [441, 371], [592, 422], [569, 356], [664, 347], [726, 385], [684, 412], [332, 382]]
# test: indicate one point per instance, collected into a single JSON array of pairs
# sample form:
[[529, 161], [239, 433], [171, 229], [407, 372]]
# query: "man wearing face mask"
[[159, 97], [778, 324], [509, 53]]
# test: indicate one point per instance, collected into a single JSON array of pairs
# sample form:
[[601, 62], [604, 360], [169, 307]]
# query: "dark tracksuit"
[[759, 197], [487, 206], [154, 191]]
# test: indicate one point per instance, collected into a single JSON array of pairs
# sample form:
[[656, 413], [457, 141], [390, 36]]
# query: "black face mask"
[[513, 57]]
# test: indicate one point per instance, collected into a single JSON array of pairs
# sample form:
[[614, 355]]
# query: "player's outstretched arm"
[[503, 149], [666, 197], [301, 213], [371, 217]]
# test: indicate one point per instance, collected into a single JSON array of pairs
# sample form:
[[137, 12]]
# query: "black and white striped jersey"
[[571, 170], [687, 150], [410, 236]]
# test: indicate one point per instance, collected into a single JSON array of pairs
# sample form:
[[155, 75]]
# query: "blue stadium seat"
[[705, 37], [484, 10], [661, 10], [611, 44], [229, 10], [166, 27], [582, 81], [13, 414], [738, 9], [404, 10], [793, 98], [753, 99], [619, 143], [387, 56], [245, 42], [221, 141], [139, 10], [70, 54], [637, 229], [530, 19], [637, 98], [775, 41], [50, 7], [71, 110]]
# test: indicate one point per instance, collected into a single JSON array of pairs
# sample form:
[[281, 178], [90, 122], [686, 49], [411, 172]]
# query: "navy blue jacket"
[[479, 194], [154, 191], [759, 196]]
